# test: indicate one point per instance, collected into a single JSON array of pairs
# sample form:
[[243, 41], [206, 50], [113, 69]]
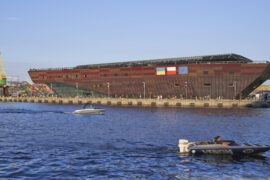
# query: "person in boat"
[[85, 105], [218, 140]]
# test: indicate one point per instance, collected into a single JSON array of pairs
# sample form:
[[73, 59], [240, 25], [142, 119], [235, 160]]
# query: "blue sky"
[[66, 33]]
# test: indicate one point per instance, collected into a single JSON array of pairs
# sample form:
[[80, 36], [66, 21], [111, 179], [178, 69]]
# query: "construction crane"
[[3, 76], [3, 80]]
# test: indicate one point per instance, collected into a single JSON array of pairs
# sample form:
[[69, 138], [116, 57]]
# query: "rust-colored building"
[[217, 76]]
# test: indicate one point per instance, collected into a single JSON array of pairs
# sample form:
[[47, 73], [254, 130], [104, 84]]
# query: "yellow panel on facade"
[[160, 72]]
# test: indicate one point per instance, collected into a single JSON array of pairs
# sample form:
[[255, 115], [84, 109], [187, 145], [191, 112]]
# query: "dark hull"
[[230, 150]]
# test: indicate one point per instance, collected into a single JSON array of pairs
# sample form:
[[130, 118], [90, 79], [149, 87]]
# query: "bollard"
[[206, 105], [219, 105], [192, 104], [89, 102], [119, 103]]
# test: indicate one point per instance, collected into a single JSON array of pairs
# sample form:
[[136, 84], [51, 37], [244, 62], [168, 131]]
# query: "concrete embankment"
[[190, 103]]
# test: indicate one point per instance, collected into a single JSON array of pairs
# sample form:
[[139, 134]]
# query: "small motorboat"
[[223, 148], [90, 110]]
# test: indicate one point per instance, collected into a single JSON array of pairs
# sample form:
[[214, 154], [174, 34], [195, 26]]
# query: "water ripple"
[[40, 141]]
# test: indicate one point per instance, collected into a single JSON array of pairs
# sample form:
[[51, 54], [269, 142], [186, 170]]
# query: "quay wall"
[[187, 103]]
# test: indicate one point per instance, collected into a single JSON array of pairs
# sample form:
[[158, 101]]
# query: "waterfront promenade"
[[185, 103]]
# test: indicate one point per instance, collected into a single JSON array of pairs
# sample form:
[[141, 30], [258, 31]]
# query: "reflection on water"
[[43, 141]]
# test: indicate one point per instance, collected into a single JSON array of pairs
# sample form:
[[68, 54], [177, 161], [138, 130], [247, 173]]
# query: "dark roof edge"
[[176, 60], [219, 58]]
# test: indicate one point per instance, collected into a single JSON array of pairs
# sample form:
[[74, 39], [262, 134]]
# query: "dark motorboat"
[[221, 148]]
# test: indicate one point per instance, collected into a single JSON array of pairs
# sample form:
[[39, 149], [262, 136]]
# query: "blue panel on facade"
[[160, 69], [183, 70]]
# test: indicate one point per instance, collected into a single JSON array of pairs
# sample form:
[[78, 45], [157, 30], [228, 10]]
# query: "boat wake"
[[26, 111]]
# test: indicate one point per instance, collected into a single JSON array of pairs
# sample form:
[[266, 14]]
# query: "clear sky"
[[66, 33]]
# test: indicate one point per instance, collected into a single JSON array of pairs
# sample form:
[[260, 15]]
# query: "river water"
[[46, 141]]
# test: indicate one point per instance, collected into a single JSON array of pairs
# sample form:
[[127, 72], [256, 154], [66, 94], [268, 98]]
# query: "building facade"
[[225, 76]]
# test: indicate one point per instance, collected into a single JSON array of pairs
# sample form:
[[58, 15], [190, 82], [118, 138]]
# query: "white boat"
[[89, 111]]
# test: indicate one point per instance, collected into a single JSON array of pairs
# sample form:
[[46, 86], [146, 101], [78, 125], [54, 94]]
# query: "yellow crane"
[[3, 76]]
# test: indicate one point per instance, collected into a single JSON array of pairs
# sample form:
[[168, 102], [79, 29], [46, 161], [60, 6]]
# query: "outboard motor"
[[183, 146]]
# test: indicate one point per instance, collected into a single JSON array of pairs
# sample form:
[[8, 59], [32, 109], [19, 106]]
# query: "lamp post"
[[143, 90], [77, 86], [210, 91], [108, 85], [186, 88], [234, 87]]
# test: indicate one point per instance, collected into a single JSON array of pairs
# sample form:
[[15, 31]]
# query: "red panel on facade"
[[171, 72]]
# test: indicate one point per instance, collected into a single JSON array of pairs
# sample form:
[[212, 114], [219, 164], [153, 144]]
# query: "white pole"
[[143, 90], [210, 91], [186, 88], [77, 86], [234, 89], [108, 85]]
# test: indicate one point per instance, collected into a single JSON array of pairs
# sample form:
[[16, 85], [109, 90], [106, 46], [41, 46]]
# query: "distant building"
[[228, 76], [261, 93]]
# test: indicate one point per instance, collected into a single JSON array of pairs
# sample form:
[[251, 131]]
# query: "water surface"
[[45, 141]]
